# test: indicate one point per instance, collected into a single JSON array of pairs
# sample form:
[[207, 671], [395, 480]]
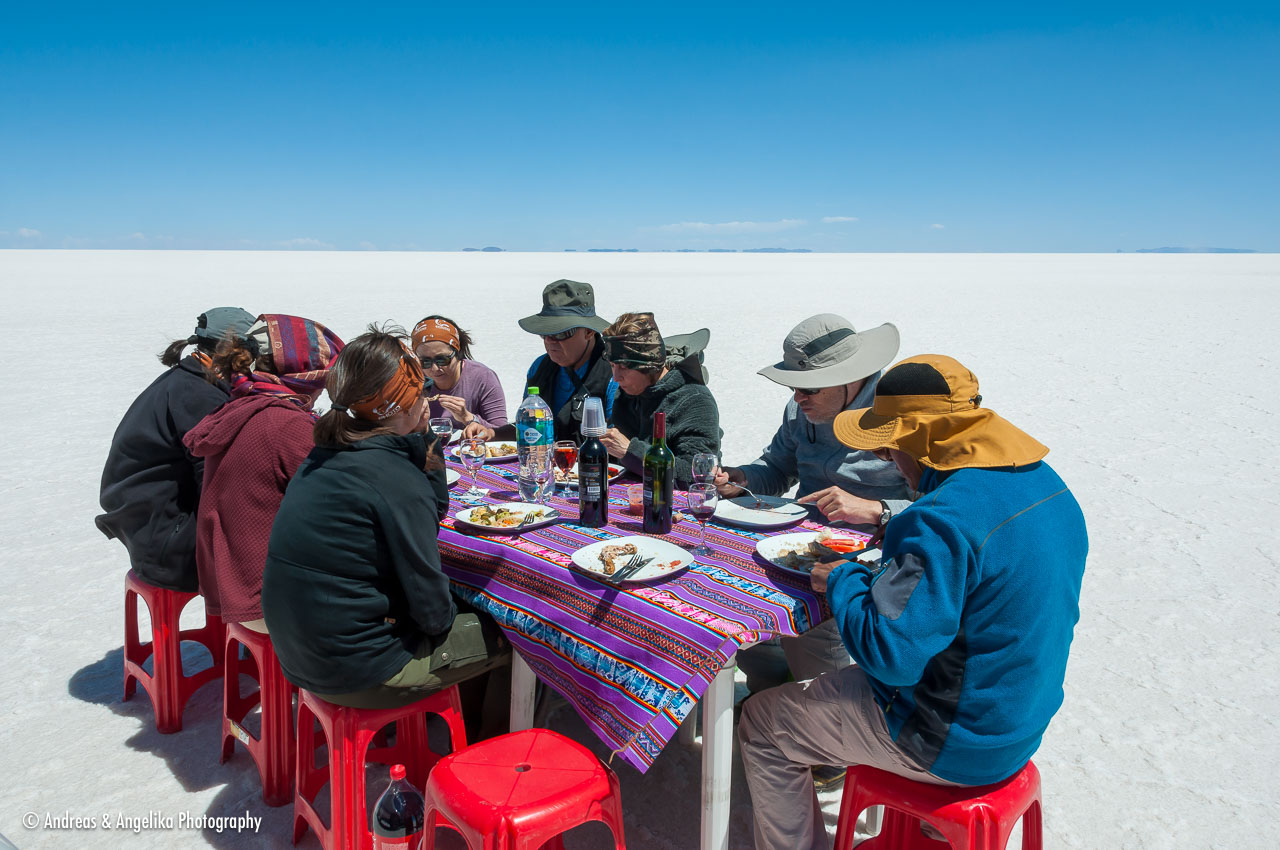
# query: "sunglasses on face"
[[808, 392], [440, 361], [562, 336]]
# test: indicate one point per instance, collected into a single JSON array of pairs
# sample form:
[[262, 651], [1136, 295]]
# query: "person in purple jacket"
[[458, 387]]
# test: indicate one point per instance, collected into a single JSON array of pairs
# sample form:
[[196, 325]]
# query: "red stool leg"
[[166, 696]]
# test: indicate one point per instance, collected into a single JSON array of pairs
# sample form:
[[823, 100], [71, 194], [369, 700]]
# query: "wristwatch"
[[886, 513]]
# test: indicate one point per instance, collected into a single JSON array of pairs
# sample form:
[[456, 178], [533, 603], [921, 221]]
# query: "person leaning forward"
[[960, 636], [573, 366], [830, 368]]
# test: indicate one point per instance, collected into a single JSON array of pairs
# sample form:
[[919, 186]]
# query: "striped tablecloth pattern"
[[632, 660]]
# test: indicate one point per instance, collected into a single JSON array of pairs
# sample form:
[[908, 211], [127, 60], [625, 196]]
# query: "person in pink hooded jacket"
[[251, 448]]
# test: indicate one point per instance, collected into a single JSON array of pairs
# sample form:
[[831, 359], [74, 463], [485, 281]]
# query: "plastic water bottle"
[[400, 815], [535, 436]]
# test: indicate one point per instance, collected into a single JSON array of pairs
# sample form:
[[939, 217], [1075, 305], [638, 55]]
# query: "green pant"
[[473, 646]]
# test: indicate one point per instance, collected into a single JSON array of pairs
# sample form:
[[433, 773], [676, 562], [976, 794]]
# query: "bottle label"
[[532, 436], [406, 842], [648, 493]]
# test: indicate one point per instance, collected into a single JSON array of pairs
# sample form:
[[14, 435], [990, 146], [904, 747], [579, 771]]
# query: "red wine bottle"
[[593, 468], [659, 479]]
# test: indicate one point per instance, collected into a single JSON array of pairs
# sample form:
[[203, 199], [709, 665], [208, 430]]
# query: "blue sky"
[[834, 127]]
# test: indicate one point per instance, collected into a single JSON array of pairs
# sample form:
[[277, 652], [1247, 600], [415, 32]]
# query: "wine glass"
[[442, 427], [703, 498], [566, 455], [544, 474], [704, 467], [473, 454]]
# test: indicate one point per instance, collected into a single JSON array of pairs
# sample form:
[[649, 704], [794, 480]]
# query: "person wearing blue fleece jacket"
[[960, 636]]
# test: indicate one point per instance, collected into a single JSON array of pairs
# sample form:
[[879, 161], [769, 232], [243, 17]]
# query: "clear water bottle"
[[400, 815], [535, 436]]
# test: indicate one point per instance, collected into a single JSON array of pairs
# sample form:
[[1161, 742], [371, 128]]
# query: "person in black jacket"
[[151, 483], [655, 374], [358, 608]]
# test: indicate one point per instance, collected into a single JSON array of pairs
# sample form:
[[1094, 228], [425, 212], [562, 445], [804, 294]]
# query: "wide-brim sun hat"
[[929, 407], [825, 351], [566, 304]]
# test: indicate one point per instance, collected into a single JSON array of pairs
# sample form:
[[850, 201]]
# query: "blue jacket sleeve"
[[895, 620]]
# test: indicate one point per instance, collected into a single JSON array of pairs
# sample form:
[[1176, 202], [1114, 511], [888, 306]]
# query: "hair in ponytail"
[[173, 352], [364, 367]]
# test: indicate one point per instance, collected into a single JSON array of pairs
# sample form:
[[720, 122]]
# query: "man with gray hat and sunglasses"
[[830, 368], [573, 366]]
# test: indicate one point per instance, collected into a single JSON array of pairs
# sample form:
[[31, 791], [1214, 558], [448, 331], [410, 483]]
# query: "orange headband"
[[397, 394], [436, 330]]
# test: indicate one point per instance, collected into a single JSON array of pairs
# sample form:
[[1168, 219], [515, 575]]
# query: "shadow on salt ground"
[[191, 755]]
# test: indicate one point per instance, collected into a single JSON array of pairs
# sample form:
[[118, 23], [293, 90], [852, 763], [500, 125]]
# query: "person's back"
[[1002, 553]]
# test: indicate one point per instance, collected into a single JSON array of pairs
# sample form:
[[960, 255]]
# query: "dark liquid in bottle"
[[593, 484]]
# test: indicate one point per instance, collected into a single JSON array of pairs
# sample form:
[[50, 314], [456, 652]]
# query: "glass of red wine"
[[565, 455], [703, 498]]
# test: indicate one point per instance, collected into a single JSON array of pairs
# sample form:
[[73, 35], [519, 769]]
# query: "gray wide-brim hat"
[[825, 351], [566, 304]]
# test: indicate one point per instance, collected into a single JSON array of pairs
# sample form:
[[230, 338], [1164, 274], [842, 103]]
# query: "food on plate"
[[502, 450], [570, 476], [825, 545], [615, 555], [501, 517]]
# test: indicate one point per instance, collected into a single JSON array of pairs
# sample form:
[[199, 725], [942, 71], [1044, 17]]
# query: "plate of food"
[[606, 558], [570, 479], [507, 517], [771, 512], [800, 551], [498, 452]]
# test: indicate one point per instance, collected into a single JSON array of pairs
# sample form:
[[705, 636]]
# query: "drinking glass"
[[704, 467], [702, 504], [442, 427], [544, 474], [566, 454], [473, 454]]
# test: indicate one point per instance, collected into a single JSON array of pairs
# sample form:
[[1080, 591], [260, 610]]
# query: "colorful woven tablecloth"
[[633, 660]]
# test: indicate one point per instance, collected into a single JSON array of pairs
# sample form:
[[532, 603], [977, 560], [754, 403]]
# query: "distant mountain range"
[[688, 250], [1193, 251]]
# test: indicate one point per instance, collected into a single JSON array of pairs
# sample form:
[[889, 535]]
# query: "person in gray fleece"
[[830, 368]]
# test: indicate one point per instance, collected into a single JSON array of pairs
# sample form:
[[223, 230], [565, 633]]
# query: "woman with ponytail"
[[251, 447], [150, 483], [358, 608]]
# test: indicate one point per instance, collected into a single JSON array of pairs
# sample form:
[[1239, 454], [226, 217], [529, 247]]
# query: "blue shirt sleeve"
[[895, 620], [610, 393]]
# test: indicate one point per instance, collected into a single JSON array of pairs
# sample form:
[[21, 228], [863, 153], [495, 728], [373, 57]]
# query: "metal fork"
[[633, 565], [761, 504]]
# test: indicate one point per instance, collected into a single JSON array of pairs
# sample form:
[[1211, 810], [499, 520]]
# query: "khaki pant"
[[832, 719], [817, 651]]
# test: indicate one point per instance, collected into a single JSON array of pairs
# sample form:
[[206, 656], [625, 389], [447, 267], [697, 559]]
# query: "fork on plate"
[[633, 565]]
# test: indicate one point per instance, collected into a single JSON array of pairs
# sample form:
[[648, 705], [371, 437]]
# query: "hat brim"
[[877, 348], [691, 342], [549, 325], [866, 430]]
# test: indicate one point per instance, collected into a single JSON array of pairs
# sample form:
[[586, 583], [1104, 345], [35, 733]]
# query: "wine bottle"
[[659, 479], [593, 468]]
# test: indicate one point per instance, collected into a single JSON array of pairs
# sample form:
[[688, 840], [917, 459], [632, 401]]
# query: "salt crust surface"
[[1152, 378]]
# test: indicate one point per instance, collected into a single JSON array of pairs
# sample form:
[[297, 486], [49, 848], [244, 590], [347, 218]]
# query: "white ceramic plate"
[[668, 558], [615, 472], [451, 476], [492, 458], [740, 511], [549, 515], [771, 548]]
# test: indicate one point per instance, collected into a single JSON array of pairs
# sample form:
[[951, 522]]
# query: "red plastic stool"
[[272, 751], [166, 684], [348, 733], [521, 791], [974, 818]]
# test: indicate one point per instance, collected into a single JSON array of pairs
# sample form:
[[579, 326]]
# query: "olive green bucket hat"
[[566, 304]]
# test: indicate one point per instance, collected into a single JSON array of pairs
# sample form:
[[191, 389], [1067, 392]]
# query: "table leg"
[[687, 734], [717, 759], [523, 693]]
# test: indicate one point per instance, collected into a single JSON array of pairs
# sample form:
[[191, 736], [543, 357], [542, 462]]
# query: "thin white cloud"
[[735, 226], [938, 226], [368, 246], [28, 233], [304, 243], [837, 219]]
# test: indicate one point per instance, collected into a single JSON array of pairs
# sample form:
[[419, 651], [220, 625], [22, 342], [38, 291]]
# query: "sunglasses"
[[440, 361], [562, 336], [808, 392]]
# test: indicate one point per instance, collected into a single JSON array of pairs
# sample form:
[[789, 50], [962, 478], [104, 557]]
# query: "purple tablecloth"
[[632, 660]]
